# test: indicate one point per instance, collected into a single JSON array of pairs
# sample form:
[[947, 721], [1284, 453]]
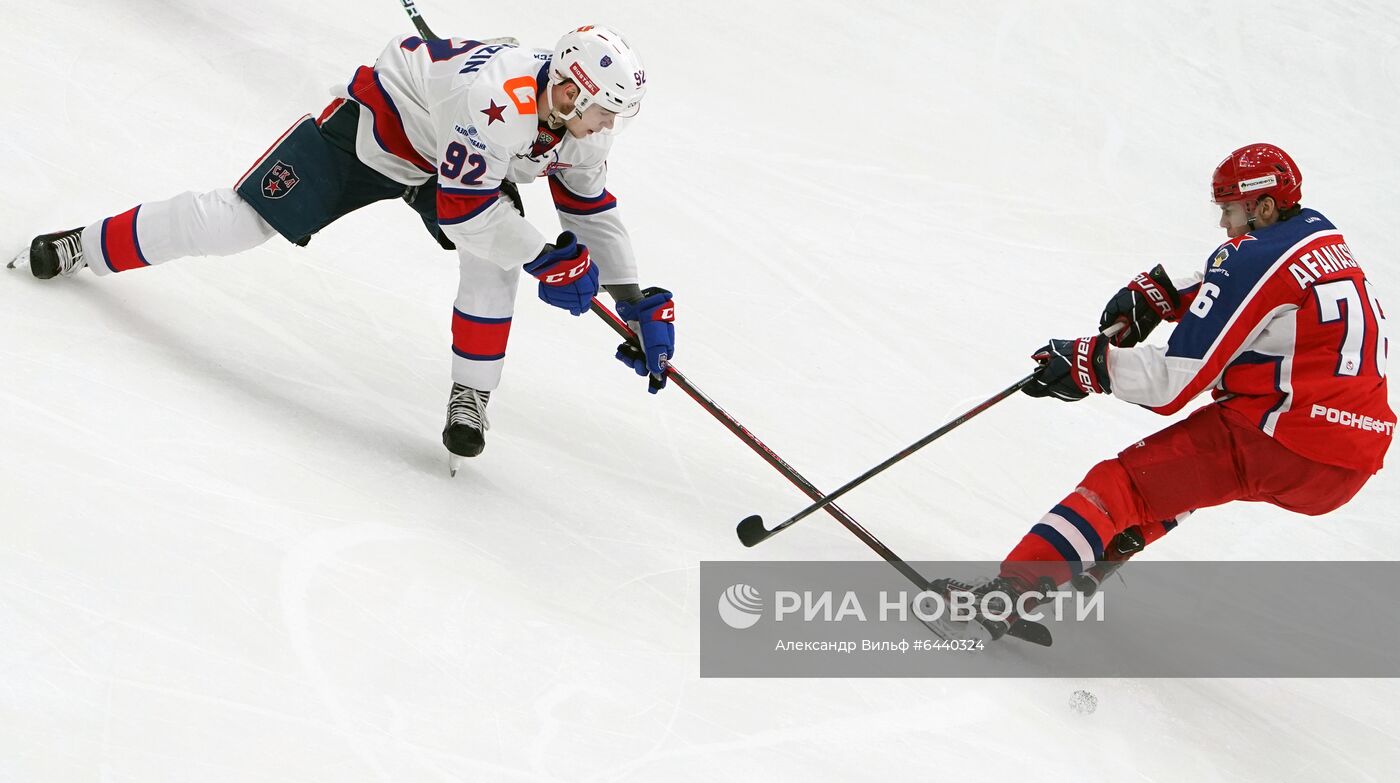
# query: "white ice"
[[229, 549]]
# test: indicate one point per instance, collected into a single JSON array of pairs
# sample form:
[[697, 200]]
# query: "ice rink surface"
[[229, 549]]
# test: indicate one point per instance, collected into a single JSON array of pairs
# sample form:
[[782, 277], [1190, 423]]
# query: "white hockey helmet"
[[607, 70]]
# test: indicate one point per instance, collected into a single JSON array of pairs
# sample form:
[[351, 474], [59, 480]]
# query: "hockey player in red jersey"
[[1284, 328], [450, 126]]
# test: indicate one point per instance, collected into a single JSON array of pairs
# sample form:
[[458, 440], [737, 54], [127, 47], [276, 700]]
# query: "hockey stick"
[[1024, 630], [418, 22], [423, 30], [789, 472], [751, 529]]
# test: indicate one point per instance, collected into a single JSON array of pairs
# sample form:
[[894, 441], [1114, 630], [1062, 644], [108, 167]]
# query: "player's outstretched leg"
[[216, 223], [465, 432]]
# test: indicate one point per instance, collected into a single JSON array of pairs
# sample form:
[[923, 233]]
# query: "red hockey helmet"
[[1257, 170]]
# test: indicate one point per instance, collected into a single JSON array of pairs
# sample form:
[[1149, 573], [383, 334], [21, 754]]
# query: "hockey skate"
[[997, 597], [51, 255], [1119, 550], [465, 433]]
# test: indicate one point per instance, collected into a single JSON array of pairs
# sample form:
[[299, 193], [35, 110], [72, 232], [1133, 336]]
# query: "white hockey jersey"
[[466, 112]]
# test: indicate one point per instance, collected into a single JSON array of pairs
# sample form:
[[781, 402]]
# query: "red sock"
[[1072, 536]]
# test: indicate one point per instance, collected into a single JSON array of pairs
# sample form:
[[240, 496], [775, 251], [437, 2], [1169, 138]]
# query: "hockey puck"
[[1083, 702]]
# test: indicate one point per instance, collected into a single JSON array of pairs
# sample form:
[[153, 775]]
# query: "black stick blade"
[[751, 531], [1028, 631]]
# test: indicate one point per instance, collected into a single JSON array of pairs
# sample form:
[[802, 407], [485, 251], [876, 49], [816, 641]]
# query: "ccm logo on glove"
[[563, 278], [568, 278]]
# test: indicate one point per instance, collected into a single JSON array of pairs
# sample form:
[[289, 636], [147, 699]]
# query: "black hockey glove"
[[423, 199], [510, 191], [1071, 370], [1142, 304]]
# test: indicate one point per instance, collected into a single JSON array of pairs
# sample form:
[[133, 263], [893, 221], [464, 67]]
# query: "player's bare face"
[[1234, 218], [592, 120]]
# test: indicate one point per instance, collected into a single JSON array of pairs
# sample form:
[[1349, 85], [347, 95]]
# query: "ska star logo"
[[279, 180], [1239, 240], [495, 113]]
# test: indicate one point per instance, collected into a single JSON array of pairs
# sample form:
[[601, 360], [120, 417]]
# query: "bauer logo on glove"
[[1144, 302], [1070, 370]]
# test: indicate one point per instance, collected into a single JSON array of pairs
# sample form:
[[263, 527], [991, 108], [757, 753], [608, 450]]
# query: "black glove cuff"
[[1099, 360]]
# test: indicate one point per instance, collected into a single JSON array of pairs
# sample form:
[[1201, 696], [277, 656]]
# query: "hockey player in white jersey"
[[449, 125]]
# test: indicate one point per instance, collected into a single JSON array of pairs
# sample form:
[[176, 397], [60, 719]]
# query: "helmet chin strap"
[[556, 119]]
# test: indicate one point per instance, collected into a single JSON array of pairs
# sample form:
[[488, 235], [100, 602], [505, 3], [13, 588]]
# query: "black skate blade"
[[1028, 631], [13, 261], [948, 630], [996, 628]]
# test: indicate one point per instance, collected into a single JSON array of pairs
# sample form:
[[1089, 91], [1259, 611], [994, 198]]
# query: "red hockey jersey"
[[1286, 328]]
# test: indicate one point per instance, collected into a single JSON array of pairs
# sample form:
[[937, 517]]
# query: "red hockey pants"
[[1212, 457]]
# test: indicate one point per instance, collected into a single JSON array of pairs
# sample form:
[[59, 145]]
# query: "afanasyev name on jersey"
[[1289, 333]]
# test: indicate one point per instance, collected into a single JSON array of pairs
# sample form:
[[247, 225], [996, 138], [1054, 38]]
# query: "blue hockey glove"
[[567, 276], [653, 317], [1071, 370]]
